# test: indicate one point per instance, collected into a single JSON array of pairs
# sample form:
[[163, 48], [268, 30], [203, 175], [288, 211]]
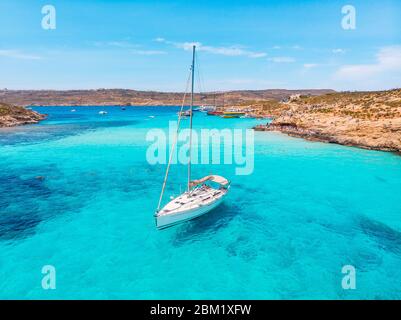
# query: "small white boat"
[[206, 108], [73, 110], [102, 112], [185, 114], [200, 197]]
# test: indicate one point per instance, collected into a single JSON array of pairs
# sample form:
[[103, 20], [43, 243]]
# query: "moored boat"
[[201, 199], [185, 114], [206, 108], [214, 113], [233, 114], [201, 195]]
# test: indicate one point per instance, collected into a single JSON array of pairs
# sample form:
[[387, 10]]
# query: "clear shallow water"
[[76, 192]]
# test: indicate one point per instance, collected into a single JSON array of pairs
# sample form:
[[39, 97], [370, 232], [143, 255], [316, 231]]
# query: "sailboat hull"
[[173, 218]]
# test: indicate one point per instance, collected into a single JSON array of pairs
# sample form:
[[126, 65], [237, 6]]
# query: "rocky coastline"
[[11, 116], [370, 120]]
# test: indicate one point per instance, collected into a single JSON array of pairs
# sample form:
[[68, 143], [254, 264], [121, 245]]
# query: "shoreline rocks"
[[11, 116], [307, 134], [369, 120]]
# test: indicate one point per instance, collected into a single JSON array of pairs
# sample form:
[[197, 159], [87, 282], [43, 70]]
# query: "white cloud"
[[282, 59], [185, 45], [148, 52], [120, 44], [117, 44], [256, 54], [291, 47], [226, 51], [338, 51], [133, 48], [388, 59], [16, 54], [310, 65]]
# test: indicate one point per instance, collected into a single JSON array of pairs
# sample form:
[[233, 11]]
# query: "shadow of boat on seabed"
[[205, 225], [209, 224], [386, 238]]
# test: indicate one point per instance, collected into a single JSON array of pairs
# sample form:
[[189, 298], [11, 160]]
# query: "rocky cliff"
[[370, 120], [14, 115]]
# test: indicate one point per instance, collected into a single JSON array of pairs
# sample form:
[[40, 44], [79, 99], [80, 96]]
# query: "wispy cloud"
[[338, 51], [16, 54], [387, 59], [310, 65], [282, 59], [132, 47], [118, 44], [233, 51], [287, 47], [148, 52]]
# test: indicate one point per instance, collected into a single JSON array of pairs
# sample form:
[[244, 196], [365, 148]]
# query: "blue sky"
[[242, 44]]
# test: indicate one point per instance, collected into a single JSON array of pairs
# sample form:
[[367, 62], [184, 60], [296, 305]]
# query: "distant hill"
[[134, 97]]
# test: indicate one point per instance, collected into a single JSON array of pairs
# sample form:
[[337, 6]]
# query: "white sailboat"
[[201, 196]]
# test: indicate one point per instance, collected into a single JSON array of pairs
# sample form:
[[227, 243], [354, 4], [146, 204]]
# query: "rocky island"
[[370, 120], [14, 115]]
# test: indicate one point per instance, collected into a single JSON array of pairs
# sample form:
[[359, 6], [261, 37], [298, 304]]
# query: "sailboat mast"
[[190, 115]]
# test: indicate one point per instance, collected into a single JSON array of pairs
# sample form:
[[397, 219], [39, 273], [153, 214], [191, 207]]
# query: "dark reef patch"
[[46, 132], [33, 194], [386, 238], [21, 200]]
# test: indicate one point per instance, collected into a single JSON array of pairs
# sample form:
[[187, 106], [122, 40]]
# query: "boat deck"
[[198, 197]]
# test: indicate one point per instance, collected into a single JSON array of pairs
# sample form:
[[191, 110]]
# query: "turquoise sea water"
[[76, 192]]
